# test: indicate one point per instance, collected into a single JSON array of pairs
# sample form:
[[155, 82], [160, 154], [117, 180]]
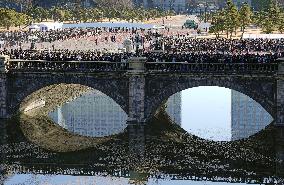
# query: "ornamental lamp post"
[[138, 42], [32, 38]]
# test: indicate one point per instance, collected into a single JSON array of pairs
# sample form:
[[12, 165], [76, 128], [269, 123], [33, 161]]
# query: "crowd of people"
[[98, 37], [63, 34], [239, 46], [212, 57], [172, 48], [189, 57], [173, 57], [181, 48], [65, 55]]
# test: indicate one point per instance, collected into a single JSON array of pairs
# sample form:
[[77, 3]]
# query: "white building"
[[46, 26], [204, 26], [34, 27]]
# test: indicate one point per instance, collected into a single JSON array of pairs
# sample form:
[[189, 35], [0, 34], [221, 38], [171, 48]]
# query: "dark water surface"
[[204, 135]]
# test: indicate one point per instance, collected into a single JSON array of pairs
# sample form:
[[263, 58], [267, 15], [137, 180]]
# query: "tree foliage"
[[114, 3], [80, 14], [9, 18], [218, 23], [271, 19], [245, 16], [230, 19]]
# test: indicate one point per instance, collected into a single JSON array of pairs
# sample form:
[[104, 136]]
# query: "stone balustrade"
[[139, 65]]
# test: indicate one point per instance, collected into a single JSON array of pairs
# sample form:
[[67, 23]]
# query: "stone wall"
[[280, 102], [160, 87], [3, 96], [138, 94], [21, 85], [136, 98]]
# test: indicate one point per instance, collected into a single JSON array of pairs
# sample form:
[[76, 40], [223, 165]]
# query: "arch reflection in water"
[[97, 115], [93, 114], [173, 108], [220, 114], [247, 116]]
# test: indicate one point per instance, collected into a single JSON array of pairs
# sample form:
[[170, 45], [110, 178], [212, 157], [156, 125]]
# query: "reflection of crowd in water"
[[171, 154]]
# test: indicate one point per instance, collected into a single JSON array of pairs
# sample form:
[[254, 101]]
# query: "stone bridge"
[[139, 87]]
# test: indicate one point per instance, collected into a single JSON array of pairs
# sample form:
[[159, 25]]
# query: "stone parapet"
[[280, 103], [280, 66], [3, 96], [137, 65], [4, 60]]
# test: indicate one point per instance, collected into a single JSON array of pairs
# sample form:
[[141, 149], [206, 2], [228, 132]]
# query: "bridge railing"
[[231, 68], [163, 67], [65, 66]]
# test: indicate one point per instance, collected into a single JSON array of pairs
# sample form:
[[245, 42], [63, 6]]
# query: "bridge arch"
[[260, 90], [22, 86]]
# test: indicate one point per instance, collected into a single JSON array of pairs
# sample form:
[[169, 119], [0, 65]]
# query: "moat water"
[[230, 115], [203, 135]]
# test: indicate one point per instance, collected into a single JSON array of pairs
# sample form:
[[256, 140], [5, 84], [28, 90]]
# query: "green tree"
[[280, 25], [57, 14], [8, 18], [274, 12], [267, 25], [109, 13], [22, 19], [44, 14], [270, 20], [67, 15], [232, 18], [258, 18], [245, 16], [218, 23]]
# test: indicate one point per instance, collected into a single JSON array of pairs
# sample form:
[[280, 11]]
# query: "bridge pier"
[[136, 139], [279, 150], [3, 88], [279, 121], [136, 96]]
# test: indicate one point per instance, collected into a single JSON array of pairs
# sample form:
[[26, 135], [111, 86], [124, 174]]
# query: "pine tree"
[[8, 18], [271, 19], [218, 23], [245, 16], [280, 25], [232, 18], [267, 25], [274, 12]]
